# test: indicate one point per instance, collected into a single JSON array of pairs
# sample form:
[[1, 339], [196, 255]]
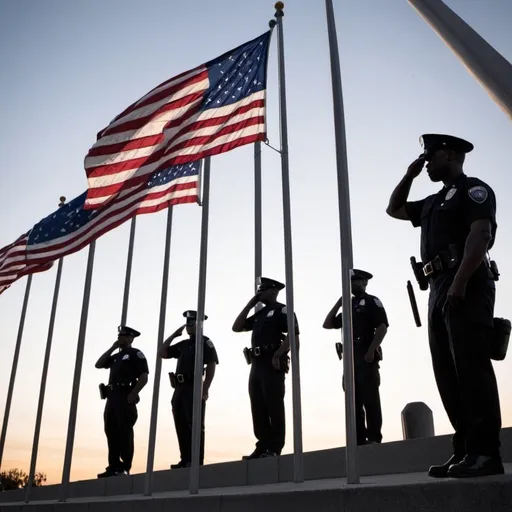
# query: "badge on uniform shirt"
[[378, 303], [125, 357], [450, 194], [362, 302], [270, 313], [140, 355], [479, 194], [209, 342]]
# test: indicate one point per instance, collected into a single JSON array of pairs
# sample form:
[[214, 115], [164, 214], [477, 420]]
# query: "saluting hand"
[[416, 167], [179, 330], [254, 300]]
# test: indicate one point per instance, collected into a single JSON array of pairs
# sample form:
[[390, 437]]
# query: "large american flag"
[[208, 110], [72, 227]]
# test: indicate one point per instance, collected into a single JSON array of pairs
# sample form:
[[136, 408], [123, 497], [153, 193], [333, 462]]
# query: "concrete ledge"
[[214, 475], [414, 455], [390, 493], [263, 471]]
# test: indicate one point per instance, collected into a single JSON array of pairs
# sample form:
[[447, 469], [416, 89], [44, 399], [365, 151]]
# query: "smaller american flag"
[[205, 111], [71, 227]]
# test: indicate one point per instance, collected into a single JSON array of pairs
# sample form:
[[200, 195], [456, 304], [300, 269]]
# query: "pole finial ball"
[[279, 6], [62, 199]]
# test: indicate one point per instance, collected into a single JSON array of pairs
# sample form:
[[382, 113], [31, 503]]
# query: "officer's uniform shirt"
[[126, 366], [269, 325], [367, 314], [185, 352], [445, 219]]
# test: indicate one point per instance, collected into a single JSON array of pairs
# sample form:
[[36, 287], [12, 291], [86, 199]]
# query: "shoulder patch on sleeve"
[[283, 311], [209, 342], [140, 355], [378, 302], [479, 194]]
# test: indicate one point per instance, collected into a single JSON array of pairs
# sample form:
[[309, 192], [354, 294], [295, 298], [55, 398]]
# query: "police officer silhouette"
[[128, 375], [370, 325], [183, 383], [458, 227], [269, 364]]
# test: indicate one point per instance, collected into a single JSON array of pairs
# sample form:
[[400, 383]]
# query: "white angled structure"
[[489, 67]]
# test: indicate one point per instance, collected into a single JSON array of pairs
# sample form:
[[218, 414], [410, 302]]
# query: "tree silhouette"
[[17, 479]]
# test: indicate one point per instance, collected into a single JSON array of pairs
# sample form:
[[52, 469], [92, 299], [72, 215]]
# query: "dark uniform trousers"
[[463, 370], [120, 418], [266, 391], [367, 399], [182, 410]]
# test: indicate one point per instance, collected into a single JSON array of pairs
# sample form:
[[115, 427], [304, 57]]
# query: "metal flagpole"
[[490, 68], [77, 375], [44, 376], [198, 363], [298, 462], [148, 481], [129, 261], [258, 264], [346, 249], [14, 367]]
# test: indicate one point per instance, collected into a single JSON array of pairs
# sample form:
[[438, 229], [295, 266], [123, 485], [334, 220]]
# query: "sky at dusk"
[[68, 68]]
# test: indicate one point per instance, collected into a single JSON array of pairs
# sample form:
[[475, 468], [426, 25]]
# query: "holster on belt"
[[172, 379], [103, 391], [285, 363], [421, 278], [247, 355], [499, 338], [339, 350]]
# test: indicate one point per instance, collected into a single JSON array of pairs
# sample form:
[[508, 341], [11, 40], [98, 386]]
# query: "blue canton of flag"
[[72, 227]]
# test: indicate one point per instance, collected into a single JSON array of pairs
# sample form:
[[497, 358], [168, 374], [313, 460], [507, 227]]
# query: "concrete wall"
[[410, 456]]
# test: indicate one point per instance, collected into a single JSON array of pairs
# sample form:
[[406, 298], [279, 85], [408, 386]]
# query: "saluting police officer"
[[269, 364], [458, 227], [370, 325], [183, 383], [128, 375]]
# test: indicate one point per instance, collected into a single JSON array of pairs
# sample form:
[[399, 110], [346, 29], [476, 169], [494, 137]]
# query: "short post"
[[417, 421]]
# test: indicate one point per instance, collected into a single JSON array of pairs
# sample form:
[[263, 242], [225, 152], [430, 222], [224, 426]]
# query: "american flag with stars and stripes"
[[208, 110], [72, 227]]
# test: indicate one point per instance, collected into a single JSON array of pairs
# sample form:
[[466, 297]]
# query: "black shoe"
[[256, 454], [108, 473], [121, 472], [180, 465], [476, 465], [268, 453], [441, 471]]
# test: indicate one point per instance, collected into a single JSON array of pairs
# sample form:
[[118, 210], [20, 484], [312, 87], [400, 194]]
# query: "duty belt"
[[433, 267], [261, 349], [120, 385], [182, 378]]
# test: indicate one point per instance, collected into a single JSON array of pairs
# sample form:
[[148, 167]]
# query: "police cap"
[[264, 283], [361, 274], [432, 142], [191, 317], [124, 330]]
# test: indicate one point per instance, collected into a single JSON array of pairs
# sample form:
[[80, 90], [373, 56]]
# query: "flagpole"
[[129, 262], [346, 248], [258, 258], [298, 462], [44, 375], [198, 363], [77, 375], [14, 367], [490, 68], [148, 481]]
